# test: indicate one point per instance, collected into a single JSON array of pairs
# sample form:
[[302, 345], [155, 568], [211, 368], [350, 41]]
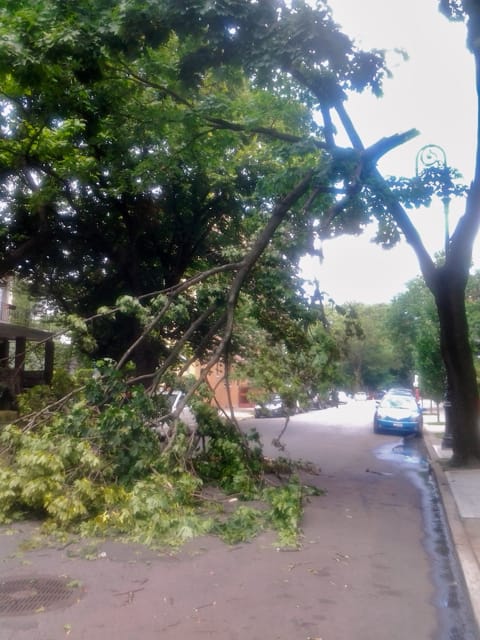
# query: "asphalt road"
[[375, 562], [394, 574]]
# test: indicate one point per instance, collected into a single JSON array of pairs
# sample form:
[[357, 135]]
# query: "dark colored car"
[[398, 413]]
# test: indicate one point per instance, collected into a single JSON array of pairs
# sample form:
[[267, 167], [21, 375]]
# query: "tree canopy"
[[121, 175], [146, 143]]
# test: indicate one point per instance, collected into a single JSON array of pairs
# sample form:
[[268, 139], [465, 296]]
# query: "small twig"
[[204, 606], [127, 593]]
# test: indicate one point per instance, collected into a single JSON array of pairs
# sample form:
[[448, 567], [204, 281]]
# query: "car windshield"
[[400, 391], [399, 402]]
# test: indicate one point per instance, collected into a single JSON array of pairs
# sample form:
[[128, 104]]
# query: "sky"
[[434, 92]]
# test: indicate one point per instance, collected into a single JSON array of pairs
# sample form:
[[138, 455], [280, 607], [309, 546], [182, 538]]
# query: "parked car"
[[360, 395], [400, 391], [171, 402], [272, 408], [398, 413]]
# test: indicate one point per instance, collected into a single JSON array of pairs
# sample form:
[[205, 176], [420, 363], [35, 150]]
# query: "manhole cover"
[[24, 596]]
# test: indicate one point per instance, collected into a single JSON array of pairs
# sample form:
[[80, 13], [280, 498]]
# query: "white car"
[[360, 395], [186, 415], [273, 408]]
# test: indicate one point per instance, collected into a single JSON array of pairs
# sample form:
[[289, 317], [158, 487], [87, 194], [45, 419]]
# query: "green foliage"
[[296, 359], [414, 327], [244, 524], [78, 330], [154, 511], [285, 511], [41, 396], [282, 512], [95, 466], [386, 345], [156, 155], [371, 359], [473, 313], [229, 460], [413, 323], [47, 474], [102, 103]]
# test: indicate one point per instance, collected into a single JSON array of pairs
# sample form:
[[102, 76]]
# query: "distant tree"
[[414, 327], [299, 365], [370, 360], [473, 314]]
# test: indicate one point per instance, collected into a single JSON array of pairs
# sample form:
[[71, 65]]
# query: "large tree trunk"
[[463, 414]]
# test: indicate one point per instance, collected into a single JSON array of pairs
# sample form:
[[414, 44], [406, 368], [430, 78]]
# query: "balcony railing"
[[14, 315]]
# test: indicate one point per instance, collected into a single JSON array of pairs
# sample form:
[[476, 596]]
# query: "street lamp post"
[[434, 156]]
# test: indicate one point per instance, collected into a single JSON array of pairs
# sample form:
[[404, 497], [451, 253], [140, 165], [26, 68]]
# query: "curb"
[[461, 542]]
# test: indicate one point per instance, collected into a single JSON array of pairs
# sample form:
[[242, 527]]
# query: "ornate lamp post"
[[432, 156]]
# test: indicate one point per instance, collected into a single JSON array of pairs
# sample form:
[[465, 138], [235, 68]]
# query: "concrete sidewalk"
[[459, 490]]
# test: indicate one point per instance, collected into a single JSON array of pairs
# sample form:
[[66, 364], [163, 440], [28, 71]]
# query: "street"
[[394, 574], [375, 561]]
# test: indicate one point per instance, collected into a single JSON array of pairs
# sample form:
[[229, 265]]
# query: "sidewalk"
[[459, 490]]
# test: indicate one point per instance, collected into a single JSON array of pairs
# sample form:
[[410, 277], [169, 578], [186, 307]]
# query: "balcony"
[[16, 333], [14, 315]]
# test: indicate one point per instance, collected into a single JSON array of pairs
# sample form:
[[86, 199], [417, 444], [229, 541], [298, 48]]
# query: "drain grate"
[[35, 594]]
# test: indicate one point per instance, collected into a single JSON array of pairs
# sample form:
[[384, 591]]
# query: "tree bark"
[[447, 283], [448, 289]]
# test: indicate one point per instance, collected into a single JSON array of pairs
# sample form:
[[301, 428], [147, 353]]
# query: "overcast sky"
[[433, 92]]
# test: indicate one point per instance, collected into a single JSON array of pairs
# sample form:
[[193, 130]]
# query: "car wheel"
[[419, 433]]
